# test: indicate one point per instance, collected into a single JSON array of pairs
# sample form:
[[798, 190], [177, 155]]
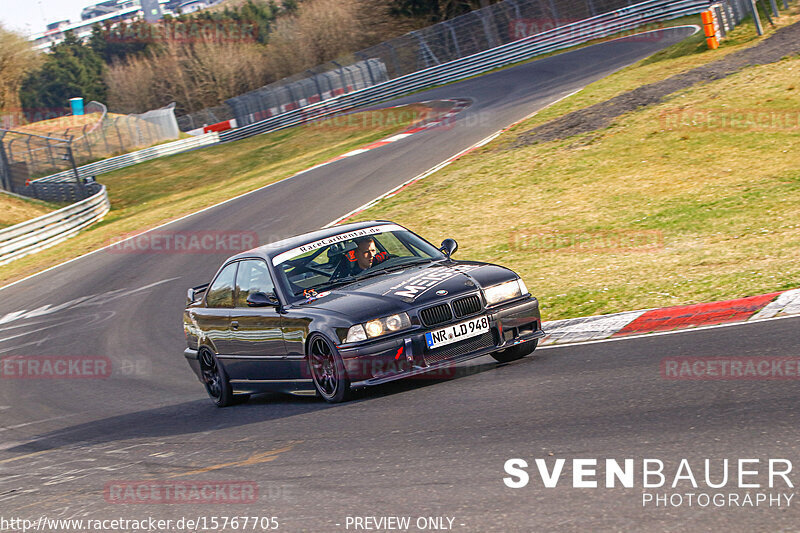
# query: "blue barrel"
[[77, 106]]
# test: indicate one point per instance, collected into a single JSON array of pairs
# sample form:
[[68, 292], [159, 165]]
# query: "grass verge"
[[152, 193], [696, 199], [16, 209]]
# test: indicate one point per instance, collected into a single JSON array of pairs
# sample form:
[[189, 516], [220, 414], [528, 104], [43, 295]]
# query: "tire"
[[515, 352], [327, 370], [216, 380]]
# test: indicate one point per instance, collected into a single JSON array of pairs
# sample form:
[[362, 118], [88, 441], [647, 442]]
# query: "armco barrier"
[[559, 38], [52, 228]]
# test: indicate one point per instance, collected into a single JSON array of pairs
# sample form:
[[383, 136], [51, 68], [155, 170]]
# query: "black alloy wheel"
[[215, 379], [327, 370]]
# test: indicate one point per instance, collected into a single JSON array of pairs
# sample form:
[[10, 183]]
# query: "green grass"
[[15, 209], [720, 207], [152, 193]]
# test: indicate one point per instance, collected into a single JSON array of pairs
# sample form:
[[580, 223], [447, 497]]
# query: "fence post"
[[515, 5], [5, 169], [393, 53], [455, 38], [78, 180], [50, 153], [554, 10], [756, 18], [766, 12], [425, 52], [365, 59], [103, 133], [316, 83], [774, 5], [719, 15], [30, 156], [86, 141], [133, 136], [119, 135], [491, 40]]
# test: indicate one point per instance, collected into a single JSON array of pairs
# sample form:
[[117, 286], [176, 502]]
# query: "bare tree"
[[17, 59]]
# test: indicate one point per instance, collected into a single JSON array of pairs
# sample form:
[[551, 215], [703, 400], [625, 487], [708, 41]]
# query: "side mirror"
[[449, 247], [261, 299], [193, 294]]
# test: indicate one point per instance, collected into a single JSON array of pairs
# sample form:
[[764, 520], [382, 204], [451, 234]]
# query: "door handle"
[[235, 324]]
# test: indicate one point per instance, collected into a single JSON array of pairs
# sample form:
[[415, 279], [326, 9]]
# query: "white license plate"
[[457, 332]]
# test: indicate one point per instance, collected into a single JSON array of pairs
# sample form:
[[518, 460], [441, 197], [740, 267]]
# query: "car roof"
[[269, 250]]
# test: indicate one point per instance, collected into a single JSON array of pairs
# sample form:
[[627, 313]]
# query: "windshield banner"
[[327, 241]]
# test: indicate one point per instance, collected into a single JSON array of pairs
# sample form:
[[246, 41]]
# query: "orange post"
[[708, 28]]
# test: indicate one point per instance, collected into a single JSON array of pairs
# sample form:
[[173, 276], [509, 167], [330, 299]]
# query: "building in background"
[[115, 11]]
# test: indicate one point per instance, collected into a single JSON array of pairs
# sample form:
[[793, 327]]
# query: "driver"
[[366, 251], [366, 256]]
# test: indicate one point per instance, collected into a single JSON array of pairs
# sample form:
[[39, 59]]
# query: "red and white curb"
[[594, 328], [458, 105]]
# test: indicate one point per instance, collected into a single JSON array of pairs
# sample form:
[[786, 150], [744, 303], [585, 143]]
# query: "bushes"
[[196, 76], [199, 73]]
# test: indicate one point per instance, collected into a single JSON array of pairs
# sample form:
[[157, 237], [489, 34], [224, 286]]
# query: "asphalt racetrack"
[[431, 450]]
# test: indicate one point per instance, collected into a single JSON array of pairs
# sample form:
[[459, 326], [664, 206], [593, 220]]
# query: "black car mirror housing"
[[449, 247], [261, 299]]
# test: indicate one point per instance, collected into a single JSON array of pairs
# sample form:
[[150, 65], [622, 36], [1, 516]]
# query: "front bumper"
[[193, 359], [408, 355]]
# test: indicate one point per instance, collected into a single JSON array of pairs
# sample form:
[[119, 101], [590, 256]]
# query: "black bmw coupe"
[[347, 307]]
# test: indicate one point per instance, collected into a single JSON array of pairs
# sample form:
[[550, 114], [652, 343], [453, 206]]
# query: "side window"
[[253, 277], [220, 293]]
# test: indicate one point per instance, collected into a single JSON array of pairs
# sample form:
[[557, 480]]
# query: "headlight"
[[378, 327], [389, 324], [505, 291]]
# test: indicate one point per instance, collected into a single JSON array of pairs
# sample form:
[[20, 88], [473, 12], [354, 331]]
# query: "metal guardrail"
[[50, 229], [132, 158], [552, 40]]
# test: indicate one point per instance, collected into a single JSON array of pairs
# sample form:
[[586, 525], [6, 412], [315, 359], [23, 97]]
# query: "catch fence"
[[60, 145]]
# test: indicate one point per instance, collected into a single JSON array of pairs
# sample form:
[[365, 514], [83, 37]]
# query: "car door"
[[258, 349], [213, 319]]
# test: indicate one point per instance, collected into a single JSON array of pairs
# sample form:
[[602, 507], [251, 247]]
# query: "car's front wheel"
[[327, 370], [515, 352], [215, 379]]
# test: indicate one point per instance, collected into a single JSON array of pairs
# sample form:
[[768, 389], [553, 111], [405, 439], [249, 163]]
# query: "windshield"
[[348, 257]]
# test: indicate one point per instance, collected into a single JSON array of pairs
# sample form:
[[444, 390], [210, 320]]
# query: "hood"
[[411, 288]]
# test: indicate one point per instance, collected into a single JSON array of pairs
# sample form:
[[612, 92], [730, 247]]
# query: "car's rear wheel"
[[515, 352], [327, 370], [215, 379]]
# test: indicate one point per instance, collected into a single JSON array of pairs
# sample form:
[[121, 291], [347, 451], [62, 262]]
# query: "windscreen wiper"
[[335, 283], [371, 273]]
